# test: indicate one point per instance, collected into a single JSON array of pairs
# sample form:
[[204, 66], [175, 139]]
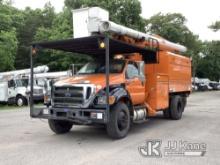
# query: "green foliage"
[[33, 19], [168, 25], [9, 20], [61, 28], [209, 65], [8, 47], [215, 26]]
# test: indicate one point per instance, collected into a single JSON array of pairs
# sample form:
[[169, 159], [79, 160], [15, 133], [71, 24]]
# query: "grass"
[[15, 107], [10, 107]]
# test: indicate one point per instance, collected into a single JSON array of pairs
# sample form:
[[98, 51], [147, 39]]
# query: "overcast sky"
[[199, 14]]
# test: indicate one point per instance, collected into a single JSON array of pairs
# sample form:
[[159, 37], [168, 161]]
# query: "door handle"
[[129, 81]]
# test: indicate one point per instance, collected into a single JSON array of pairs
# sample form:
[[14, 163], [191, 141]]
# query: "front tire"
[[59, 126], [119, 121], [21, 101]]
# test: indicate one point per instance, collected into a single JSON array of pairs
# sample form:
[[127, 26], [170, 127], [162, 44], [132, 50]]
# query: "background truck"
[[132, 76], [15, 86], [46, 80]]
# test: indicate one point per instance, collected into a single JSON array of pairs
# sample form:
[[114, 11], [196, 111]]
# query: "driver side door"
[[134, 85], [11, 89]]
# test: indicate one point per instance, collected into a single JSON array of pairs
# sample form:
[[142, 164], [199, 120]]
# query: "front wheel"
[[59, 126], [21, 101], [119, 121]]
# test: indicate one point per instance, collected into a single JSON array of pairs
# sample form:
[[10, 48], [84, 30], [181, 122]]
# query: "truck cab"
[[124, 74], [16, 91]]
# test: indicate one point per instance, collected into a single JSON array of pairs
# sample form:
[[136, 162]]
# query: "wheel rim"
[[20, 102], [122, 120]]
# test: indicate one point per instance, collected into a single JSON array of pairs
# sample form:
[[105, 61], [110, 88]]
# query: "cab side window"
[[131, 71], [11, 83]]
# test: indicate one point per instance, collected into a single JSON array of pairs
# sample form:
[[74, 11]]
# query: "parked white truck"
[[46, 80], [15, 86]]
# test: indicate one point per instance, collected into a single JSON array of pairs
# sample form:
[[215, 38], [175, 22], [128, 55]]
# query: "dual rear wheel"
[[176, 107]]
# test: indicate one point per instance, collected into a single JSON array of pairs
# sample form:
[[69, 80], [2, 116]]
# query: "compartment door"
[[162, 92]]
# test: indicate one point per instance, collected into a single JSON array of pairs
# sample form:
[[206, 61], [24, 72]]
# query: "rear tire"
[[59, 126], [176, 107], [119, 121], [184, 102], [166, 113]]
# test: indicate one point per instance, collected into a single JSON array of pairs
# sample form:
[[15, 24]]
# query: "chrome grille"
[[71, 96], [38, 91]]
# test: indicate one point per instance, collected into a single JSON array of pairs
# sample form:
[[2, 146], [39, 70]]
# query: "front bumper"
[[38, 97], [75, 115]]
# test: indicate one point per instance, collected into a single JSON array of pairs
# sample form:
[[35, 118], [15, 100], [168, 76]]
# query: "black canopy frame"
[[89, 46]]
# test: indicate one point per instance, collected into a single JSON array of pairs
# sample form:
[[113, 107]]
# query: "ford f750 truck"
[[131, 77]]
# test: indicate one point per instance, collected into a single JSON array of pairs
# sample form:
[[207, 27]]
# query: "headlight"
[[102, 100], [27, 92], [38, 91]]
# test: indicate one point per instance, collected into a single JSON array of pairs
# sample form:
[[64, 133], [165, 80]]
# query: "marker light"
[[102, 45], [34, 51]]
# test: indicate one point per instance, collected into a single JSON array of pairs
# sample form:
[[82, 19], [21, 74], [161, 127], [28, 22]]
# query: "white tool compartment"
[[4, 91], [86, 21]]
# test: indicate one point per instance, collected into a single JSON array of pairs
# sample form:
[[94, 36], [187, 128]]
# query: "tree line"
[[20, 28]]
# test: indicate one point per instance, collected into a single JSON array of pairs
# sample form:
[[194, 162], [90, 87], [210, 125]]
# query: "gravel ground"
[[26, 141]]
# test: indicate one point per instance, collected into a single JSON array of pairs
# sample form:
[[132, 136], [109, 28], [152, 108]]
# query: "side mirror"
[[141, 70], [73, 69], [11, 84]]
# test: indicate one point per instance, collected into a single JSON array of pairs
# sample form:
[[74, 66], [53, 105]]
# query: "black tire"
[[184, 99], [59, 126], [166, 113], [21, 101], [119, 123], [176, 107]]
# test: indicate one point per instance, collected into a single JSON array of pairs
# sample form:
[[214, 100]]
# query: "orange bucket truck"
[[131, 77]]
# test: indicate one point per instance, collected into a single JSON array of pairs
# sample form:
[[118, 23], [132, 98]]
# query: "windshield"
[[116, 66], [22, 82], [40, 82]]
